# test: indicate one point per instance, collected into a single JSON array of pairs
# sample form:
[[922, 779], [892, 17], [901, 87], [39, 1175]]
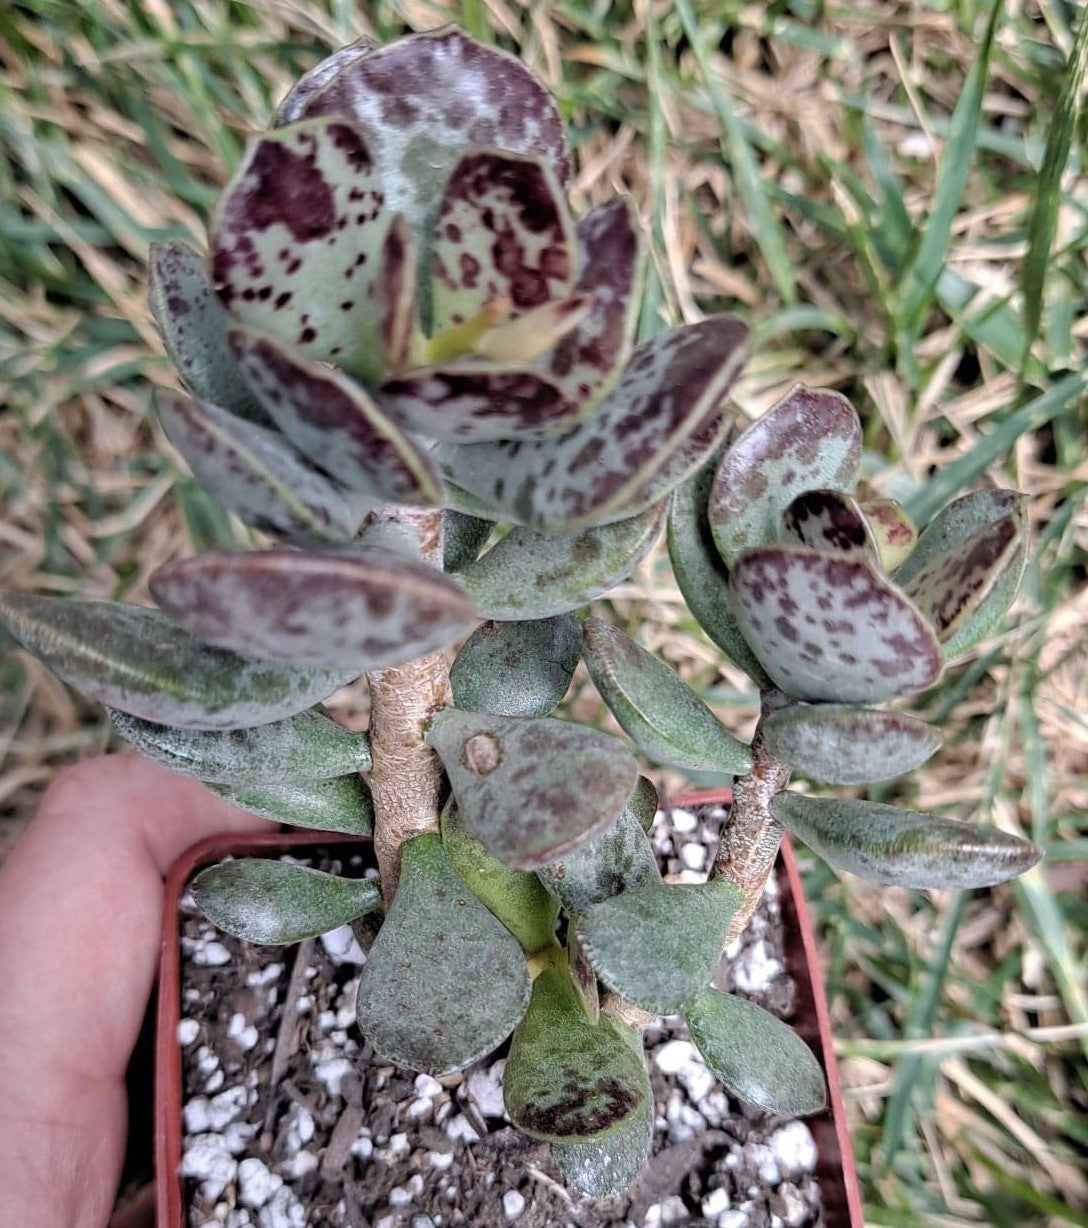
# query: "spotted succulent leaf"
[[363, 609], [831, 628], [532, 575], [892, 529], [809, 439], [341, 804], [831, 521], [584, 976], [274, 902], [761, 1060], [309, 746], [844, 745], [463, 537], [395, 295], [660, 945], [445, 981], [903, 847], [531, 789], [662, 715], [133, 659], [975, 627], [293, 107], [517, 669]]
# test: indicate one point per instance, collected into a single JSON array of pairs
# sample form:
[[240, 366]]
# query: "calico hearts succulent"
[[399, 349]]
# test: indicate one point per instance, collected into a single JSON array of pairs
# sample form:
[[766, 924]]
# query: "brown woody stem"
[[749, 844]]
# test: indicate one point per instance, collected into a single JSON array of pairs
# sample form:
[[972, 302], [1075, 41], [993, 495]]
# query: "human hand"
[[80, 917]]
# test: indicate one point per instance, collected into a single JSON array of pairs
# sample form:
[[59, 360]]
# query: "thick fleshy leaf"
[[308, 746], [661, 713], [809, 439], [566, 1078], [975, 627], [703, 577], [644, 803], [342, 804], [532, 575], [293, 106], [534, 788], [395, 294], [831, 521], [584, 976], [426, 100], [516, 897], [503, 234], [194, 324], [333, 421], [275, 902], [761, 1060], [659, 946], [604, 469], [256, 474], [359, 610], [904, 847], [517, 669], [892, 529], [445, 981], [463, 538], [831, 628], [297, 239], [136, 660]]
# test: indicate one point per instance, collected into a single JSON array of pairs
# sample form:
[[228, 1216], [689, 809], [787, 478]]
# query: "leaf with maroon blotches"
[[395, 295], [293, 106], [892, 528], [831, 628], [831, 521], [358, 609], [809, 439]]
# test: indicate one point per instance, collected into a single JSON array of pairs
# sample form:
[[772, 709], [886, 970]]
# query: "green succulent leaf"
[[256, 474], [341, 804], [134, 659], [516, 897], [308, 746], [531, 575], [808, 440], [193, 325], [517, 669], [630, 453], [463, 537], [702, 576], [761, 1060], [445, 981], [584, 976], [568, 1079], [831, 628], [531, 789], [903, 847], [831, 521], [644, 803], [844, 745], [275, 902], [662, 714], [360, 610], [333, 421], [955, 524], [892, 529], [660, 945]]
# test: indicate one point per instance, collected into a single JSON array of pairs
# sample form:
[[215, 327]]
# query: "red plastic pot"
[[835, 1169]]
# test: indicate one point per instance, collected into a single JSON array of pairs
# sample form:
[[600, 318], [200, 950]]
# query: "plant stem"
[[406, 780], [749, 844]]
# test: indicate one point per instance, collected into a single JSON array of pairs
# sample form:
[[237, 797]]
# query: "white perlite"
[[284, 1211], [342, 947], [715, 1203], [513, 1204], [188, 1031], [256, 1183], [674, 1055], [484, 1089], [207, 1160], [756, 969], [205, 952], [244, 1035], [794, 1148]]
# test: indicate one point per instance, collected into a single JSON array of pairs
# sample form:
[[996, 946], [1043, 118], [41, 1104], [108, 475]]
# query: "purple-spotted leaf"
[[568, 1079], [293, 107], [761, 1060], [426, 100], [809, 439], [532, 789], [445, 981], [903, 847], [256, 474], [659, 946], [842, 745], [503, 235], [133, 659], [275, 902], [463, 537], [308, 746], [517, 668], [892, 529], [992, 608], [395, 294], [534, 575], [341, 804], [297, 239], [335, 423], [662, 715], [831, 521], [831, 628], [193, 325], [702, 576], [584, 976], [359, 610], [605, 469], [516, 897], [525, 337]]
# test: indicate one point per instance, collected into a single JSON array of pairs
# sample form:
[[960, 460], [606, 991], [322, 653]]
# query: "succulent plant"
[[401, 349]]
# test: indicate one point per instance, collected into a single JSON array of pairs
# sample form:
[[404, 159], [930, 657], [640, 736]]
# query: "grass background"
[[895, 193]]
